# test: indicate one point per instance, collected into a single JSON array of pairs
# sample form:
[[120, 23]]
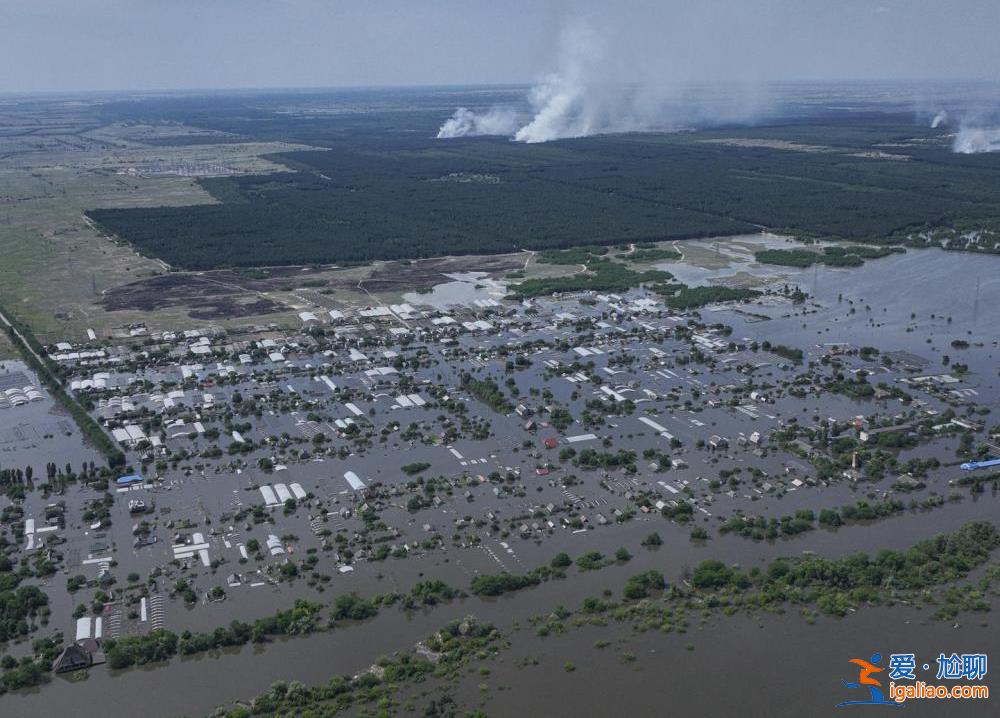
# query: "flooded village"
[[462, 433], [477, 360]]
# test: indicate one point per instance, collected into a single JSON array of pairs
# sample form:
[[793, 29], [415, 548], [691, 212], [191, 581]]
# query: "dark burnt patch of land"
[[218, 296]]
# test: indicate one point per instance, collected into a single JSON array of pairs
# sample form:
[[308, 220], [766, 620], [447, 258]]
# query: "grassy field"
[[56, 265]]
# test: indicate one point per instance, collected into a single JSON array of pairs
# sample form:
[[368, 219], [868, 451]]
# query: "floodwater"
[[40, 431], [775, 666], [707, 261], [814, 656], [918, 302], [465, 289], [923, 282], [962, 287]]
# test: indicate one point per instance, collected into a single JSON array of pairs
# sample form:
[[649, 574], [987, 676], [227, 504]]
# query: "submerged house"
[[79, 655]]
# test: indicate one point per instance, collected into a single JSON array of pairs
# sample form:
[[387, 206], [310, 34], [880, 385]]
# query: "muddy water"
[[772, 667], [465, 289], [734, 646], [920, 282], [893, 298]]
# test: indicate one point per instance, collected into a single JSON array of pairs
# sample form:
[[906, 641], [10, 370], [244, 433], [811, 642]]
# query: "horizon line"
[[236, 89]]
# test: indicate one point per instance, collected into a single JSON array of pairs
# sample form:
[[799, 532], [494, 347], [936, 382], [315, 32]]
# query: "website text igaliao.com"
[[924, 691]]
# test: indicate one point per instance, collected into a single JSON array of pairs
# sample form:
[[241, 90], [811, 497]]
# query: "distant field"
[[379, 193], [54, 164]]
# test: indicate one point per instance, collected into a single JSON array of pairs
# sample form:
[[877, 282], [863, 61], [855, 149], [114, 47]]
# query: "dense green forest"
[[378, 191]]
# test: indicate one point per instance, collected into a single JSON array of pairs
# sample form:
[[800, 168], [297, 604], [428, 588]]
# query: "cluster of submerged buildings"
[[482, 422], [192, 377]]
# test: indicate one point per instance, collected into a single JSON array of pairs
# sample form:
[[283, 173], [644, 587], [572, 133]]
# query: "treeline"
[[601, 276], [14, 483], [498, 583], [836, 586], [495, 584], [833, 256], [683, 297], [161, 644], [760, 528]]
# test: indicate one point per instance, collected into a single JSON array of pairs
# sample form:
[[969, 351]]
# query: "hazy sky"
[[60, 45]]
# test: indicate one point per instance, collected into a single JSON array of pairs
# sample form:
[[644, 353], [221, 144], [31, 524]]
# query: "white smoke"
[[973, 140], [941, 118], [571, 102], [585, 97], [466, 123]]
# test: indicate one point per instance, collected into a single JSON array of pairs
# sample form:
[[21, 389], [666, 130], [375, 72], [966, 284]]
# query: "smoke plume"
[[978, 129], [466, 123], [571, 102], [585, 96], [973, 140], [968, 110]]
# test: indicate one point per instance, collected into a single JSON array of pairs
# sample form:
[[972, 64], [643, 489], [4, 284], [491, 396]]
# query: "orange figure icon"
[[865, 679], [864, 675]]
